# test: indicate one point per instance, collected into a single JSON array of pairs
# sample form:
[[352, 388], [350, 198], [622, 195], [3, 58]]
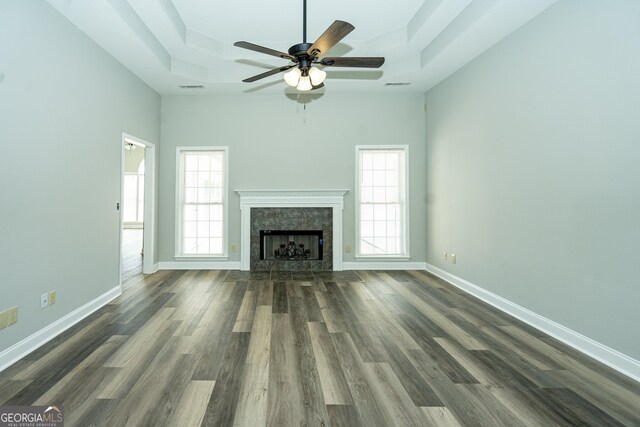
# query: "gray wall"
[[63, 105], [532, 169], [275, 144]]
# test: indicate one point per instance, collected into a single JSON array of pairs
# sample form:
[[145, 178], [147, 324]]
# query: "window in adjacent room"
[[381, 208], [202, 202], [133, 206]]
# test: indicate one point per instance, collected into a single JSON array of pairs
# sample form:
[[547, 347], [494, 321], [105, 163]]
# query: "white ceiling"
[[168, 43]]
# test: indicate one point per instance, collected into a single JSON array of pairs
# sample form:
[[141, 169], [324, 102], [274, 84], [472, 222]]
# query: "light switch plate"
[[44, 300], [4, 319], [13, 315], [52, 297]]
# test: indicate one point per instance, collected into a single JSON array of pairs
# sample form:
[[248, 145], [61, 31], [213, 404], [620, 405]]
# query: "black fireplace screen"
[[291, 245]]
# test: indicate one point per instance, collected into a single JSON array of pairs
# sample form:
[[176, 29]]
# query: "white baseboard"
[[383, 265], [156, 267], [199, 265], [17, 351], [610, 357]]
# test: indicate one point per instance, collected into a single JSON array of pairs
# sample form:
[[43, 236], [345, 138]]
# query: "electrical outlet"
[[347, 248], [454, 259], [445, 255], [4, 319], [52, 297], [44, 300], [13, 315], [234, 248]]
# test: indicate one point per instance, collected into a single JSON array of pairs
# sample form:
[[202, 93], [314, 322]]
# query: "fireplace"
[[291, 210], [291, 245], [291, 239]]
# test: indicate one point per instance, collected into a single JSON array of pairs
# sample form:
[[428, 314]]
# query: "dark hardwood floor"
[[189, 348]]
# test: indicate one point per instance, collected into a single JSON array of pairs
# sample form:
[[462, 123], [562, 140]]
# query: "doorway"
[[136, 208]]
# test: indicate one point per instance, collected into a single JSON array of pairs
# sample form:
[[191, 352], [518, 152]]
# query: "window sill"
[[382, 257], [201, 257]]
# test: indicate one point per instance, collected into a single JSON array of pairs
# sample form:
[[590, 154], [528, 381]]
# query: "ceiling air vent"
[[397, 84], [191, 87]]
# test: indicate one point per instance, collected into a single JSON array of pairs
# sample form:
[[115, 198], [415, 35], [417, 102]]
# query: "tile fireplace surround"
[[251, 199], [296, 219]]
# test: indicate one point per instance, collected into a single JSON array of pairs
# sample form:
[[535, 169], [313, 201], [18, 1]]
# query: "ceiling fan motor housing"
[[299, 51]]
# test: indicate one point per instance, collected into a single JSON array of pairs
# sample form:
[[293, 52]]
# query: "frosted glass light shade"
[[317, 76], [305, 84], [293, 76]]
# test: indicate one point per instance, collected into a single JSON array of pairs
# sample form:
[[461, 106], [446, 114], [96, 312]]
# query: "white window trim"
[[225, 200], [405, 232]]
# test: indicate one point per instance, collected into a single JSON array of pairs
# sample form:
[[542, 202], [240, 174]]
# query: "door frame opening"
[[149, 226]]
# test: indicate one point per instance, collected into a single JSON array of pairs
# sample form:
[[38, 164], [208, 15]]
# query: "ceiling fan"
[[303, 74]]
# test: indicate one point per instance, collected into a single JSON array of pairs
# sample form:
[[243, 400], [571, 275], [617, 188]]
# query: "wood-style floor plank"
[[252, 404], [372, 348], [221, 408], [285, 398], [334, 385], [192, 405], [369, 413]]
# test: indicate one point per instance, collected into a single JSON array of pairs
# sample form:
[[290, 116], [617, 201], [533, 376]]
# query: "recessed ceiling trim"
[[174, 17], [202, 42], [422, 16], [128, 15], [186, 69], [424, 42], [463, 22]]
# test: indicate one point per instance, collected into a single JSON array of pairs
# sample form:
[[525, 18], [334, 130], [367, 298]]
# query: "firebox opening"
[[291, 245]]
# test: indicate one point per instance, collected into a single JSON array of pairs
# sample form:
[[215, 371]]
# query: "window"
[[382, 226], [133, 206], [202, 202]]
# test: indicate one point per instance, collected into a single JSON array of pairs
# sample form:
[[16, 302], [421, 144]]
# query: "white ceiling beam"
[[128, 15], [465, 20], [176, 20]]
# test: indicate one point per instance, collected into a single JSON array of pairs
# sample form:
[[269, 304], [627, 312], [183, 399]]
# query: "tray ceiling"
[[169, 43]]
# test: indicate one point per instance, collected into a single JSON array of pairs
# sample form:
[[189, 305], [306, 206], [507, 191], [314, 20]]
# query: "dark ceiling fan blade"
[[361, 62], [268, 73], [336, 32], [320, 86], [262, 49]]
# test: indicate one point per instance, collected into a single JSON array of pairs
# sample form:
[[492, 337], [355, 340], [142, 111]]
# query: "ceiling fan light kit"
[[317, 75], [302, 74], [305, 80]]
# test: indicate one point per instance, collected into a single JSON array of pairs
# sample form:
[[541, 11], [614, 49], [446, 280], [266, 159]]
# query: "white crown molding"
[[610, 357], [17, 351], [326, 196]]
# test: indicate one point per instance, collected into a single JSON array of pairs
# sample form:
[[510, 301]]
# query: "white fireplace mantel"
[[290, 199]]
